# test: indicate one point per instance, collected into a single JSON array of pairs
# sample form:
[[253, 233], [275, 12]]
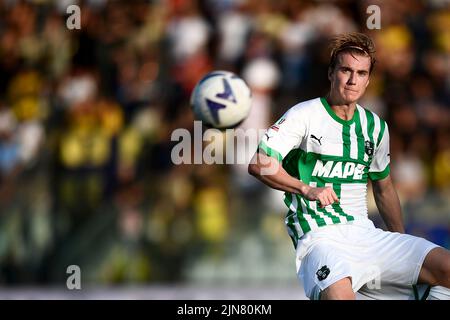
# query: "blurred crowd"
[[86, 117]]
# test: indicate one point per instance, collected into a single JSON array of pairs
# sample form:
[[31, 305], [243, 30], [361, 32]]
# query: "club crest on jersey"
[[323, 273], [368, 147]]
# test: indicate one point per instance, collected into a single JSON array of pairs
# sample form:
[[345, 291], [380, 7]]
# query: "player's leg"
[[332, 263], [325, 269], [436, 268], [399, 258], [340, 290]]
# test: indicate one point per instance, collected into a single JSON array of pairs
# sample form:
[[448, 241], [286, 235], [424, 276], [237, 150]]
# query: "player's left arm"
[[386, 197], [388, 204]]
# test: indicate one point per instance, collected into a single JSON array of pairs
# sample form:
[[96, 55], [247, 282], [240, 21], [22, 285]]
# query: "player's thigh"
[[323, 266], [436, 268], [340, 290], [399, 257]]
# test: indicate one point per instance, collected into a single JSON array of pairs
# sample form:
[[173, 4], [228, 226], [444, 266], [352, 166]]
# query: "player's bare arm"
[[279, 179], [388, 204]]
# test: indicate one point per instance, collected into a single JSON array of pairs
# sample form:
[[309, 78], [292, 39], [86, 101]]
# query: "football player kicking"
[[322, 153]]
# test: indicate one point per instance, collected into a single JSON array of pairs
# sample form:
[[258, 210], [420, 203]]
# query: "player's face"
[[350, 77]]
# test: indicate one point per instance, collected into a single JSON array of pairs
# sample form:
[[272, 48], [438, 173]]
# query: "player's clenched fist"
[[325, 196]]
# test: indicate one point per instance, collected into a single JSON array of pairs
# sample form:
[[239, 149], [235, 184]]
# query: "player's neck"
[[342, 110]]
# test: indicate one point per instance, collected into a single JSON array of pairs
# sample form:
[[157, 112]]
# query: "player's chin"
[[351, 96]]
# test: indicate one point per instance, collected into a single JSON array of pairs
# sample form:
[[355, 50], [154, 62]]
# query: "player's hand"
[[325, 196]]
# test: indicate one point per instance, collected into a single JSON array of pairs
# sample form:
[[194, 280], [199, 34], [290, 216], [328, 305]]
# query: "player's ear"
[[330, 73]]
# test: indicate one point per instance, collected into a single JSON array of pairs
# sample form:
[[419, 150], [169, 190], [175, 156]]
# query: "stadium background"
[[86, 116]]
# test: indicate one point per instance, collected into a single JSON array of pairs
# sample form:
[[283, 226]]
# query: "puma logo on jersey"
[[338, 169], [318, 139]]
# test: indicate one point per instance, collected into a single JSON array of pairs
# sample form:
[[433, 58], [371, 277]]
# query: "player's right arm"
[[268, 170], [286, 134]]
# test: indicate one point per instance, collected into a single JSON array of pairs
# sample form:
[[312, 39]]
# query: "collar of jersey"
[[335, 117]]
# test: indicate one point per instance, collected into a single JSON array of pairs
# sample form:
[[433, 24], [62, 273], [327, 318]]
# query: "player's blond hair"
[[354, 43]]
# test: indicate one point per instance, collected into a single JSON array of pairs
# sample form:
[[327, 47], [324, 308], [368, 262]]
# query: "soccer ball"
[[221, 99]]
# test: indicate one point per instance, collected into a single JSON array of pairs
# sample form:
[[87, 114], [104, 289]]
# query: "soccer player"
[[322, 152]]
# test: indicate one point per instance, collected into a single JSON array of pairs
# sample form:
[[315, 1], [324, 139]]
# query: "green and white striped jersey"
[[321, 149]]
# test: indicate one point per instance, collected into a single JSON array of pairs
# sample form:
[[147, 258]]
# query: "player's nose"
[[351, 79]]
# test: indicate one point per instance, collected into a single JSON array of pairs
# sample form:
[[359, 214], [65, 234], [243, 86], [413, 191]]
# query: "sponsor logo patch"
[[323, 273]]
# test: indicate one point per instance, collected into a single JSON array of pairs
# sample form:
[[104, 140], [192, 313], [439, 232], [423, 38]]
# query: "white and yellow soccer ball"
[[221, 99]]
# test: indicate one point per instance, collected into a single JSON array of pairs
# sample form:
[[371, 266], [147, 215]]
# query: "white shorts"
[[369, 256]]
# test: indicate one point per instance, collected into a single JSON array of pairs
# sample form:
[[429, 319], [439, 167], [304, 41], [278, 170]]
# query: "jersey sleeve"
[[379, 168], [286, 134]]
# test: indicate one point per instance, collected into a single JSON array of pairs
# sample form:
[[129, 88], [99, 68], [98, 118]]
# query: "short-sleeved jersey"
[[321, 149]]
